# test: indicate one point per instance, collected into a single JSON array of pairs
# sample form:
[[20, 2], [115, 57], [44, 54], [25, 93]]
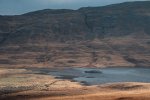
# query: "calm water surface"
[[107, 75]]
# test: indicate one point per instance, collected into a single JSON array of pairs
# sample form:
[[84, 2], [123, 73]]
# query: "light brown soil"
[[24, 85]]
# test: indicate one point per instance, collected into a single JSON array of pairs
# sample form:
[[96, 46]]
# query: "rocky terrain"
[[113, 35]]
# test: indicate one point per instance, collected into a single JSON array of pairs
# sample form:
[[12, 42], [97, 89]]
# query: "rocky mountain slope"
[[113, 35]]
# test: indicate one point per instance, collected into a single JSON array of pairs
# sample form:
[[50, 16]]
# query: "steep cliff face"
[[113, 35]]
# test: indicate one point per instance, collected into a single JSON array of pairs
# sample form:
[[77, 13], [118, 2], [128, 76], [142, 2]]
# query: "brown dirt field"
[[24, 85]]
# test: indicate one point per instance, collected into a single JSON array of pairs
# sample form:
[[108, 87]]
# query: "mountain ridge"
[[113, 35]]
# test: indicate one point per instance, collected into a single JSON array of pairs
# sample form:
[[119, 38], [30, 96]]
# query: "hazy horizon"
[[17, 7]]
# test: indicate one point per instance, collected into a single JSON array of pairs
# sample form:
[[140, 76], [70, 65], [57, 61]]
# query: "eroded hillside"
[[114, 35]]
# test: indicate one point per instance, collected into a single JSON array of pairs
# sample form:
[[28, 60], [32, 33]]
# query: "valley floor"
[[22, 84]]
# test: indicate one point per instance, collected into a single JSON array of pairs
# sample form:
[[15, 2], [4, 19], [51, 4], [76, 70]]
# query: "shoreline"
[[26, 85]]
